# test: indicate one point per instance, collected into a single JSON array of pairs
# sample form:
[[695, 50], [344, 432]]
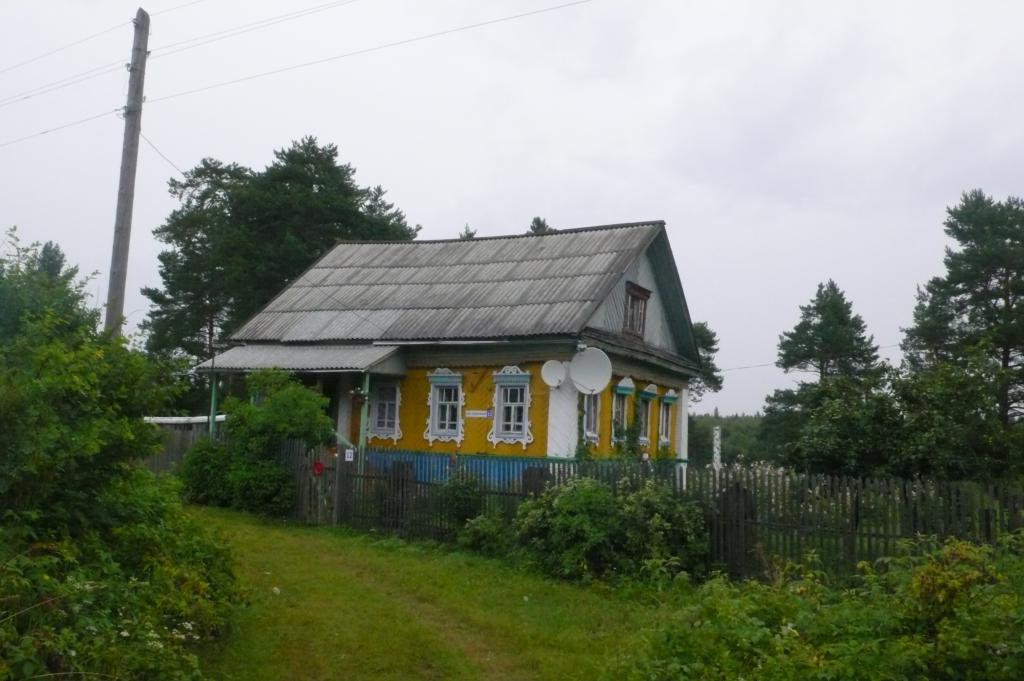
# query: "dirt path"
[[325, 606]]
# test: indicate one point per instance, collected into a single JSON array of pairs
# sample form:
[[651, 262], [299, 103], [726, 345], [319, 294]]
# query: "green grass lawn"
[[324, 604]]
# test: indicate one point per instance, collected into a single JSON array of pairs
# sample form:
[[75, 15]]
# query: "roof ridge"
[[495, 237]]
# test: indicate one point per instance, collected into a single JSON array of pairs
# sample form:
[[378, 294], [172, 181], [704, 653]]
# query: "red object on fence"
[[318, 468]]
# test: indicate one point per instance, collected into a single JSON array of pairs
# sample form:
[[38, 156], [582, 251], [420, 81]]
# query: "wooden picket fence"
[[760, 514], [179, 433]]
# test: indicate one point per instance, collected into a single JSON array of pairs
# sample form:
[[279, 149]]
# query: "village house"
[[437, 346]]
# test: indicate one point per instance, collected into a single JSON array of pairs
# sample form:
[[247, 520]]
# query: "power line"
[[376, 48], [62, 83], [224, 34], [161, 154], [176, 8], [62, 48], [772, 364], [59, 127], [199, 41]]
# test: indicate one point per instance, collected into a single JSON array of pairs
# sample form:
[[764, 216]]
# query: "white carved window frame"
[[444, 378], [647, 396], [664, 422], [620, 406], [511, 376], [667, 400], [376, 433]]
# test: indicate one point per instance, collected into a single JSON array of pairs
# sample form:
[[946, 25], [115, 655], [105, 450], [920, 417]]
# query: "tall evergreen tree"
[[979, 303], [829, 339], [540, 226], [240, 235], [467, 233], [710, 378]]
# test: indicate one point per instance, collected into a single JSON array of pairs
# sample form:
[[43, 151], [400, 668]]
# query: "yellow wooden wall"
[[478, 388], [605, 445]]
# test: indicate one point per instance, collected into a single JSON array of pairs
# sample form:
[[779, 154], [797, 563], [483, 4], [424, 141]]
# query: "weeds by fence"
[[754, 513]]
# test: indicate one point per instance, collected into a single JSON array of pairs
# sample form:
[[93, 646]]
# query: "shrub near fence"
[[408, 492], [178, 433], [753, 513]]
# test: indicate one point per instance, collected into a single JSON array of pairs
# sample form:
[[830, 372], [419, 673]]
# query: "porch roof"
[[320, 358]]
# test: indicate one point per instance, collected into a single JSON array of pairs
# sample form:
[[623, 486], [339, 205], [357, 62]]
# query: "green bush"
[[244, 472], [102, 573], [214, 475], [574, 531], [488, 534], [263, 487], [130, 598], [661, 527], [583, 529], [462, 497], [952, 613], [205, 473], [279, 408]]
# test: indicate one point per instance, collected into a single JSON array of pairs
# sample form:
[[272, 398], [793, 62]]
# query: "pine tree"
[[979, 303], [710, 378], [829, 339], [540, 226], [467, 233]]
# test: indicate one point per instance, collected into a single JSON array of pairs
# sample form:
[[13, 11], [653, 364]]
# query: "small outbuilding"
[[438, 345]]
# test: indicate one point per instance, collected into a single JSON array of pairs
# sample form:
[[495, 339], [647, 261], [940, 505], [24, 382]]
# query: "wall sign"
[[350, 455], [479, 413]]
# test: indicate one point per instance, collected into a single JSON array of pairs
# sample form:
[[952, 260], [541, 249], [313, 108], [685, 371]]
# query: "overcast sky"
[[782, 142]]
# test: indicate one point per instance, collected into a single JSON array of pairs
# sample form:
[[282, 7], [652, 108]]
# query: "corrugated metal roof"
[[479, 288], [300, 357]]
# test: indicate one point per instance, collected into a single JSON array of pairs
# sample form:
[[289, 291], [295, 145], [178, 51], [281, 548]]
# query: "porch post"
[[683, 425], [683, 430], [213, 404], [364, 412]]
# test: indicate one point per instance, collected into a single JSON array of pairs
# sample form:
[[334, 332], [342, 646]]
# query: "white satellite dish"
[[590, 371], [553, 373]]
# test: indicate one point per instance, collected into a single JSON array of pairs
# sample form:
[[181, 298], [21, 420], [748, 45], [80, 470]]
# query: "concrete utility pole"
[[126, 186]]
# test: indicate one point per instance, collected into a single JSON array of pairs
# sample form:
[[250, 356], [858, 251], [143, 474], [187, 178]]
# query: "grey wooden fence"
[[756, 515], [760, 513], [179, 433]]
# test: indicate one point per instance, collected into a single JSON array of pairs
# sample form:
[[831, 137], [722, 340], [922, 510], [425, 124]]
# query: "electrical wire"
[[376, 48], [176, 8], [224, 34], [158, 52], [160, 153], [60, 127], [62, 83], [771, 364], [62, 48]]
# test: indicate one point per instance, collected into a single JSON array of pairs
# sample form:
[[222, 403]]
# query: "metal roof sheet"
[[300, 357], [478, 288]]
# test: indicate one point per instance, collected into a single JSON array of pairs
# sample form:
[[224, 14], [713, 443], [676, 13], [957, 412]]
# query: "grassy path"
[[327, 605]]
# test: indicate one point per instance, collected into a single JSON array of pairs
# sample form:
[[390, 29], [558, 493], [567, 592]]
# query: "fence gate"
[[315, 473]]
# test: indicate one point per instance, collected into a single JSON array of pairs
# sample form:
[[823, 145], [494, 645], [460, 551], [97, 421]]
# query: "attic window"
[[636, 309]]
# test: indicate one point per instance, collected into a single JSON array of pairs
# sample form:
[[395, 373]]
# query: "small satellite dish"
[[590, 371], [553, 373]]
